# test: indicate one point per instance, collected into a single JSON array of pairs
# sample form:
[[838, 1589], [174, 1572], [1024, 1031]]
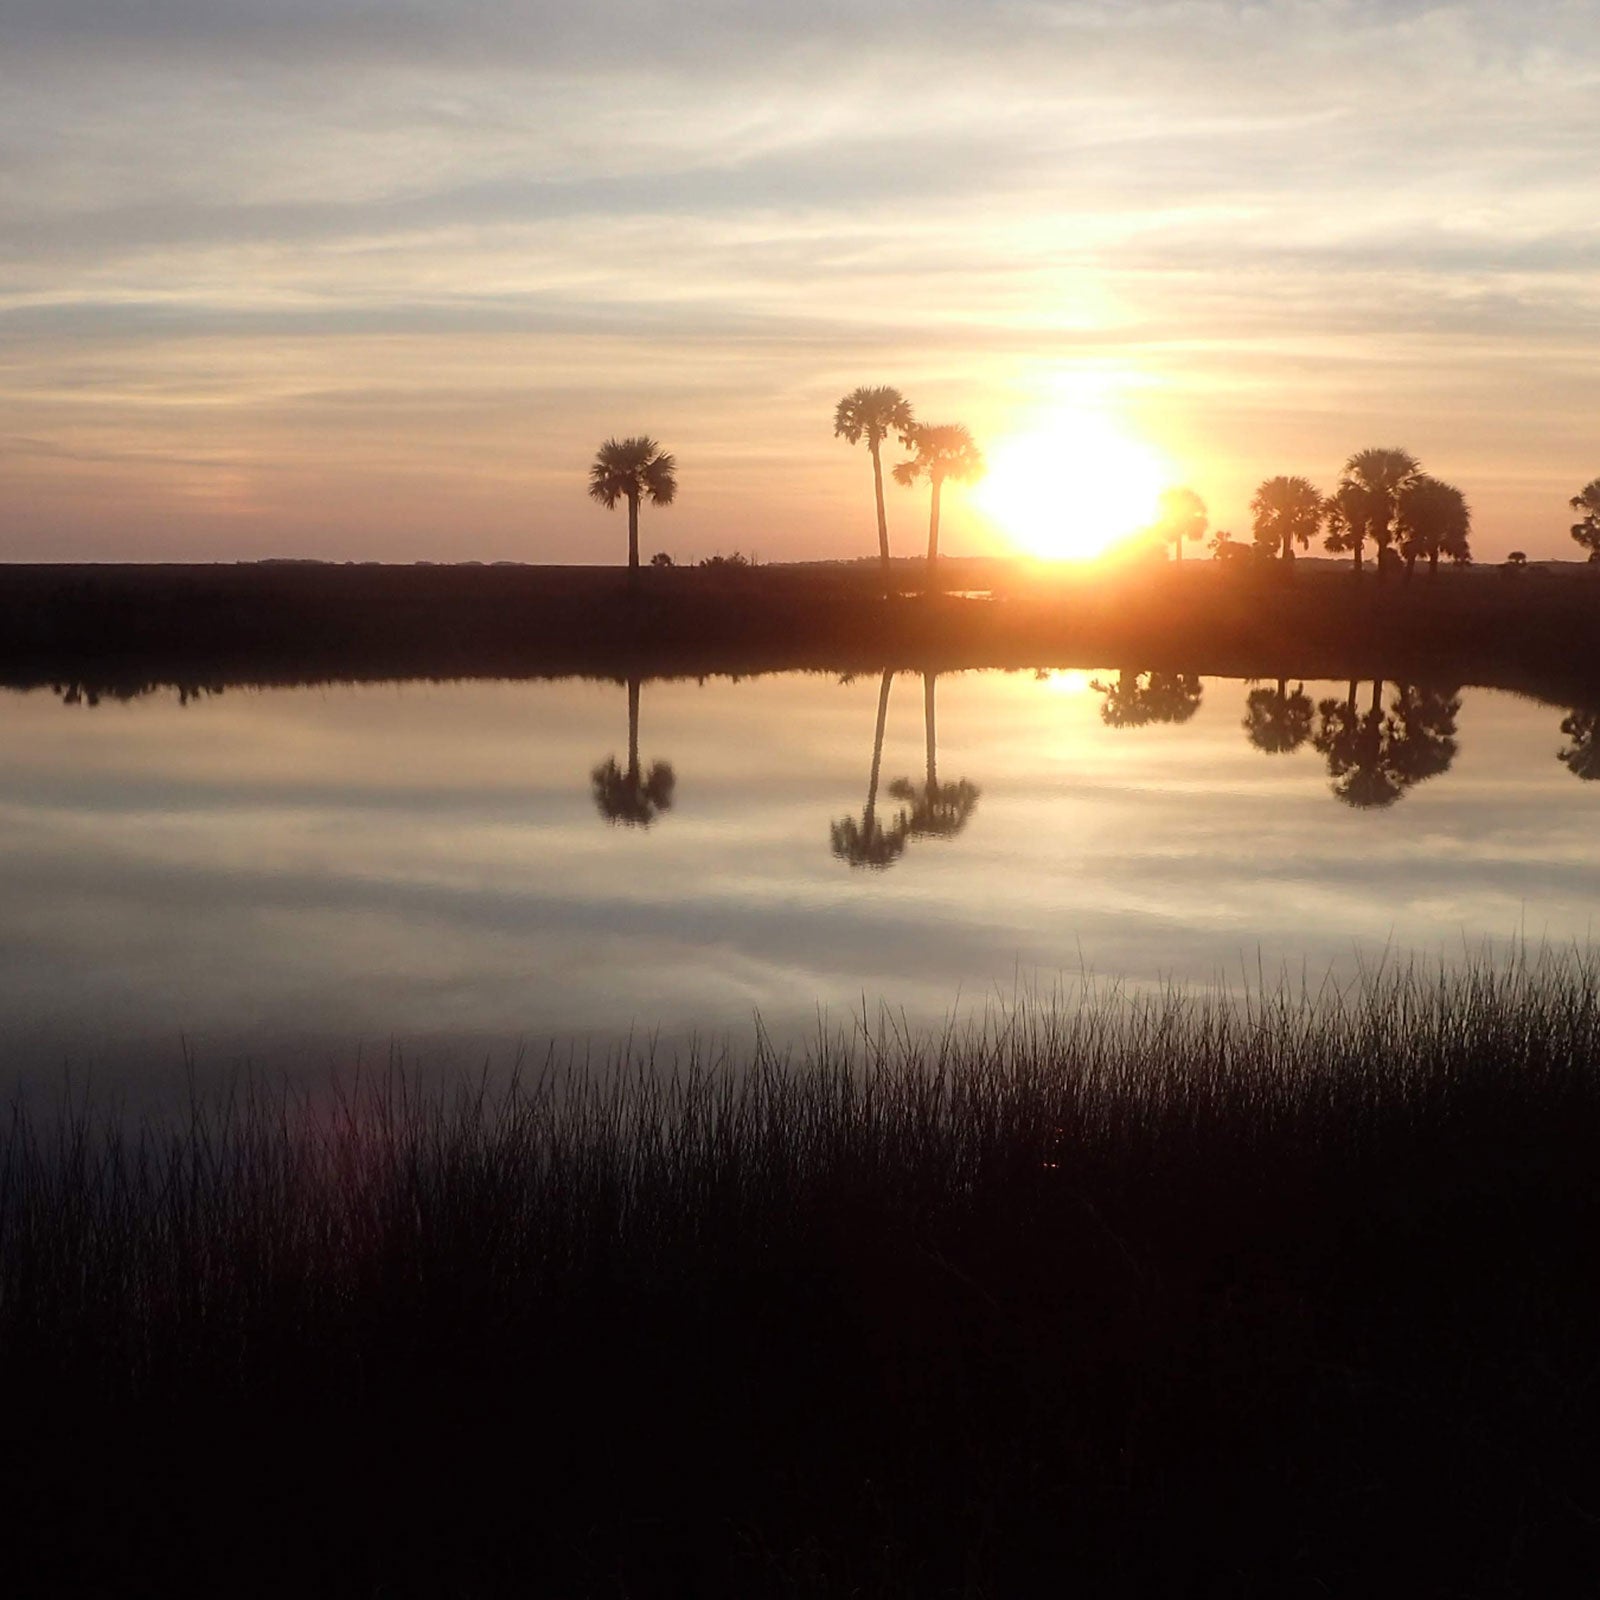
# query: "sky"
[[363, 281]]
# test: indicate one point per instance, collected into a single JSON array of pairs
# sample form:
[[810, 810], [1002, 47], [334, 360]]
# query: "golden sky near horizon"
[[372, 282]]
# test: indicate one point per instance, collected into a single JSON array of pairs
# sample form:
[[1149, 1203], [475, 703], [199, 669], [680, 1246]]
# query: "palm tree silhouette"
[[1582, 757], [1586, 530], [632, 797], [630, 469], [944, 450], [867, 843], [1181, 515], [1348, 514], [1432, 519], [1276, 721], [1286, 510], [1366, 502], [938, 810], [1138, 699], [873, 414]]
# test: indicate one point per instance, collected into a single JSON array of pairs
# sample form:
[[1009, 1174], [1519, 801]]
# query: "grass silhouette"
[[1173, 1295]]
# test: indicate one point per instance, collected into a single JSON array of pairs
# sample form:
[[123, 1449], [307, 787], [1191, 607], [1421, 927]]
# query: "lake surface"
[[293, 876]]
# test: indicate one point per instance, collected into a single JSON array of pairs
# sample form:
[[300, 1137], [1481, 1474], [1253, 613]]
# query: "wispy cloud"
[[273, 233]]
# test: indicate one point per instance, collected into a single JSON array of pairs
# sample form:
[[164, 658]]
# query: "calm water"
[[293, 875]]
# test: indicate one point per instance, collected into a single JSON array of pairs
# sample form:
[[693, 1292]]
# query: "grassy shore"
[[1294, 1295], [118, 630]]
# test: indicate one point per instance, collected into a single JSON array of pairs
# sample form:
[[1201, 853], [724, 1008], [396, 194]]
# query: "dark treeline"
[[1293, 1297], [114, 630]]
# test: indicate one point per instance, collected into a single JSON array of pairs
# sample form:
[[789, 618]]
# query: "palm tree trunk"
[[1177, 548], [1357, 548], [877, 750], [928, 732], [1433, 563], [1283, 690], [883, 521], [1377, 697], [633, 732], [1288, 545], [933, 529], [633, 538]]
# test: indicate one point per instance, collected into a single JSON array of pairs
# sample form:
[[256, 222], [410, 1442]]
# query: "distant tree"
[[1587, 529], [1366, 503], [1286, 511], [1276, 721], [1517, 558], [1582, 757], [938, 810], [630, 796], [1138, 699], [1432, 519], [867, 843], [873, 414], [944, 450], [662, 559], [1180, 514], [631, 470]]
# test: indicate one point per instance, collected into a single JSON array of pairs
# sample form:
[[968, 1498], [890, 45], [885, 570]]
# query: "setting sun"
[[1071, 488]]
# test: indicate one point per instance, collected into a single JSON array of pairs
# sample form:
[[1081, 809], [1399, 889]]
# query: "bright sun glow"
[[1072, 488]]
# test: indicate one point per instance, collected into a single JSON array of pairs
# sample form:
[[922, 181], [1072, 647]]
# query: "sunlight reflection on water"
[[290, 874]]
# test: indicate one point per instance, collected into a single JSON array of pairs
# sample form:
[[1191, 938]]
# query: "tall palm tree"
[[938, 810], [1587, 529], [873, 414], [1276, 721], [1181, 515], [632, 797], [868, 843], [945, 450], [1582, 757], [631, 469], [1286, 510], [1380, 475], [1433, 519]]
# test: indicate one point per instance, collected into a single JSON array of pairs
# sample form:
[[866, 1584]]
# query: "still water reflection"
[[288, 874]]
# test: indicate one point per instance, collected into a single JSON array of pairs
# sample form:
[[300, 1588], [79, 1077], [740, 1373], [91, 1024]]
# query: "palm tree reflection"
[[1276, 721], [866, 842], [1582, 757], [1138, 699], [938, 810], [1375, 756], [632, 797]]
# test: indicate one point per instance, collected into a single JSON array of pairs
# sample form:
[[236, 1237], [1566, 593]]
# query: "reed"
[[1174, 1294]]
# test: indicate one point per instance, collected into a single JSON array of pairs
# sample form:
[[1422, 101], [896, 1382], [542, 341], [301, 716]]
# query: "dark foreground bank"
[[1174, 1300], [118, 630]]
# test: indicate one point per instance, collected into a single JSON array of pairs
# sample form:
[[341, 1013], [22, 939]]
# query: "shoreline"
[[121, 629]]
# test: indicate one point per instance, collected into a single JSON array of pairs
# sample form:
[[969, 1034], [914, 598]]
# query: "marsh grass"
[[1288, 1293]]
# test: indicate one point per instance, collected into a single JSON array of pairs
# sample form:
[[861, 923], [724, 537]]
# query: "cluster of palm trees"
[[1383, 497], [938, 451]]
